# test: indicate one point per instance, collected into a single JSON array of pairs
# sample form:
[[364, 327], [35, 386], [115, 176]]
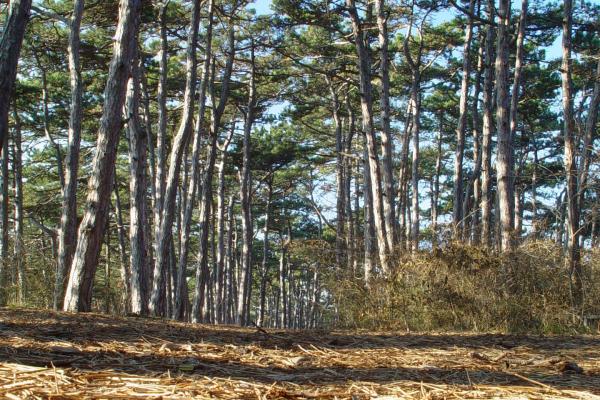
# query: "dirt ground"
[[67, 356]]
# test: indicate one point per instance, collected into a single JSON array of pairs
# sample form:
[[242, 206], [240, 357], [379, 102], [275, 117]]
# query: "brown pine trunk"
[[504, 156], [367, 117], [10, 48], [18, 252], [487, 131], [205, 198], [193, 187], [68, 221], [137, 189], [157, 304], [245, 189], [387, 144], [78, 295], [457, 215], [264, 271], [573, 231]]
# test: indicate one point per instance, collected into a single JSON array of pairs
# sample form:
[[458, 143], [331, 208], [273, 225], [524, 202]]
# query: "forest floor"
[[66, 356]]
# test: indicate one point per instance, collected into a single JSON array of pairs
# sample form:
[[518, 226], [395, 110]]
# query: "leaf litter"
[[48, 355]]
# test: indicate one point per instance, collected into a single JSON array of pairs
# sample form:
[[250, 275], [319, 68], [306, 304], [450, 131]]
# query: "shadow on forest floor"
[[152, 347]]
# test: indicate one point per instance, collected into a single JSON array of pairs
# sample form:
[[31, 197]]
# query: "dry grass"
[[65, 356]]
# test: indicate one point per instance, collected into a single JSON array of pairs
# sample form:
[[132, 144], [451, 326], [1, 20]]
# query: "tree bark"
[[573, 231], [457, 215], [68, 221], [245, 189], [487, 132], [264, 270], [504, 152], [164, 236], [202, 272], [367, 119], [386, 136], [78, 295], [10, 48], [193, 187], [137, 203], [18, 252]]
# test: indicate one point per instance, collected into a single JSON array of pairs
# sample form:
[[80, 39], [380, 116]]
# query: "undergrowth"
[[464, 287]]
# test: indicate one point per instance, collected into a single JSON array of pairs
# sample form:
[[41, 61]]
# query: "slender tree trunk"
[[78, 295], [18, 253], [10, 48], [245, 188], [436, 184], [368, 219], [487, 131], [68, 221], [220, 258], [457, 215], [195, 182], [137, 189], [164, 237], [4, 212], [504, 156], [202, 271], [386, 136], [415, 100], [161, 138], [470, 203], [350, 222], [534, 181], [264, 265], [125, 268], [339, 176], [367, 118], [514, 102], [573, 231]]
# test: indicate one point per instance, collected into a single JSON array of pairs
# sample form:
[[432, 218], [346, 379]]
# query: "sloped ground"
[[66, 356]]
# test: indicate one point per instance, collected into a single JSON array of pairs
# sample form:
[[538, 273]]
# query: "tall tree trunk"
[[161, 137], [514, 102], [457, 215], [436, 184], [137, 189], [415, 99], [78, 295], [18, 253], [202, 271], [125, 268], [386, 136], [368, 218], [264, 271], [470, 203], [193, 187], [164, 237], [68, 221], [367, 119], [220, 258], [573, 232], [10, 48], [504, 156], [487, 131], [4, 212], [351, 258], [340, 206], [245, 189]]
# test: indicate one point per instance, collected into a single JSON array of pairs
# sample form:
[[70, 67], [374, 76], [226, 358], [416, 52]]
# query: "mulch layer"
[[47, 355]]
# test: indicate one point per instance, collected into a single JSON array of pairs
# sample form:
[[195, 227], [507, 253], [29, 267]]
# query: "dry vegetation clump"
[[47, 355], [464, 287]]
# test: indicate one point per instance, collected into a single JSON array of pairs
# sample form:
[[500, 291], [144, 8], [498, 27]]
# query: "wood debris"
[[93, 356]]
